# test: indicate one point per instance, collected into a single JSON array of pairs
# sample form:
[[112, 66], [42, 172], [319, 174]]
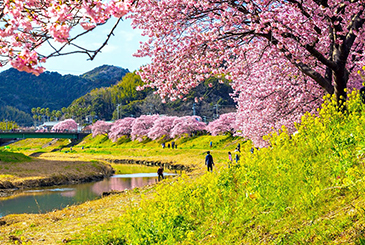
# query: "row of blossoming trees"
[[162, 127]]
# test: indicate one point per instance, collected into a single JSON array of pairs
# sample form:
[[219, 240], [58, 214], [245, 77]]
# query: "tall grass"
[[304, 188]]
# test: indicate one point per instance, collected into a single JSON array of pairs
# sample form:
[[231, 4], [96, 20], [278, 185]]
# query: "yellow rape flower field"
[[306, 188]]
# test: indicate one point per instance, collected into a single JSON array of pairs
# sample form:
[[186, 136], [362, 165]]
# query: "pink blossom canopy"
[[101, 127], [187, 126], [121, 127], [142, 125], [162, 127], [68, 124], [225, 123], [280, 56], [29, 24]]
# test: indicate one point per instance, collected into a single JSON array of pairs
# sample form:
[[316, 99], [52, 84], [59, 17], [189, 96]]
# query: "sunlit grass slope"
[[190, 151], [306, 188], [6, 156]]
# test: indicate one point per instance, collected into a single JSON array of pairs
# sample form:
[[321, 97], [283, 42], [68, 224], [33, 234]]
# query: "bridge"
[[53, 135]]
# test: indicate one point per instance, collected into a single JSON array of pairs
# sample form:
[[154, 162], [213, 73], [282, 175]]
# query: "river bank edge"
[[9, 187]]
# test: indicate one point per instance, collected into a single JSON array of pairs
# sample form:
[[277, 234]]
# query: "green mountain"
[[23, 91]]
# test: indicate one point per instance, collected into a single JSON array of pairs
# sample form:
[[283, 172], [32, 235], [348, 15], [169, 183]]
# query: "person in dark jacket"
[[160, 173], [209, 161]]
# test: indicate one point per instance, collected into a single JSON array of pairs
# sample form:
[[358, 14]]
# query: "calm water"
[[47, 199]]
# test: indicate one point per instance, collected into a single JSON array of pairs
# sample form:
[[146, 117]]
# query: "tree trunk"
[[340, 84]]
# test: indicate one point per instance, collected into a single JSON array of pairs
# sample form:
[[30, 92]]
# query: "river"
[[42, 200]]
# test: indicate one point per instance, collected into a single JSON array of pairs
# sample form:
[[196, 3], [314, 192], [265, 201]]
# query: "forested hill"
[[23, 91], [123, 100]]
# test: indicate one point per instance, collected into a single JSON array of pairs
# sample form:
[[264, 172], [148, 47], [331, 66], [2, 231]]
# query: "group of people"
[[209, 158], [173, 145]]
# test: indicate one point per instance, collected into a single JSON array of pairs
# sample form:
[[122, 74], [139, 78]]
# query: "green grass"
[[131, 169], [303, 189], [11, 157], [306, 188]]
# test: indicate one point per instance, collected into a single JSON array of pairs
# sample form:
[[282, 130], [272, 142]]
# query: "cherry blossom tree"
[[121, 127], [142, 125], [281, 56], [101, 128], [162, 127], [224, 124], [26, 25], [66, 125], [187, 126]]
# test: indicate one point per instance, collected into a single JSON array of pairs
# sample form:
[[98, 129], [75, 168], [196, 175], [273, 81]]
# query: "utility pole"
[[150, 110], [118, 111], [216, 107]]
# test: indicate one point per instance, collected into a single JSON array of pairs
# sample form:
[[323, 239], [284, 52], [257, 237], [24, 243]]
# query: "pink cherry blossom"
[[280, 56], [121, 127], [162, 127], [226, 123], [101, 128], [66, 125], [187, 125], [29, 24], [142, 125]]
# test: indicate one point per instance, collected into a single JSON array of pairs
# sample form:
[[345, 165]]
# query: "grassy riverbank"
[[304, 189], [56, 226], [28, 172]]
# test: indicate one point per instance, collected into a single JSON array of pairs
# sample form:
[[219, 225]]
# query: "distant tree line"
[[8, 125], [41, 115]]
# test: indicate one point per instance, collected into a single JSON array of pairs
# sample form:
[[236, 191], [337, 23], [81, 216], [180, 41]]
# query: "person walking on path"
[[160, 173], [237, 153], [229, 159], [209, 161]]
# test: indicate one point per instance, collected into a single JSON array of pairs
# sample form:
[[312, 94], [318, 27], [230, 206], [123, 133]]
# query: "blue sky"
[[118, 52]]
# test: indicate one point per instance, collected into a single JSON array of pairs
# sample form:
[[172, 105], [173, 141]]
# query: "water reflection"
[[48, 199]]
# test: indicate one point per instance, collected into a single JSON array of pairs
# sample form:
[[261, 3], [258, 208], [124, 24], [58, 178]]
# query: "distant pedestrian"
[[160, 173], [209, 161], [229, 159], [173, 144], [168, 145], [237, 153], [210, 144], [163, 145]]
